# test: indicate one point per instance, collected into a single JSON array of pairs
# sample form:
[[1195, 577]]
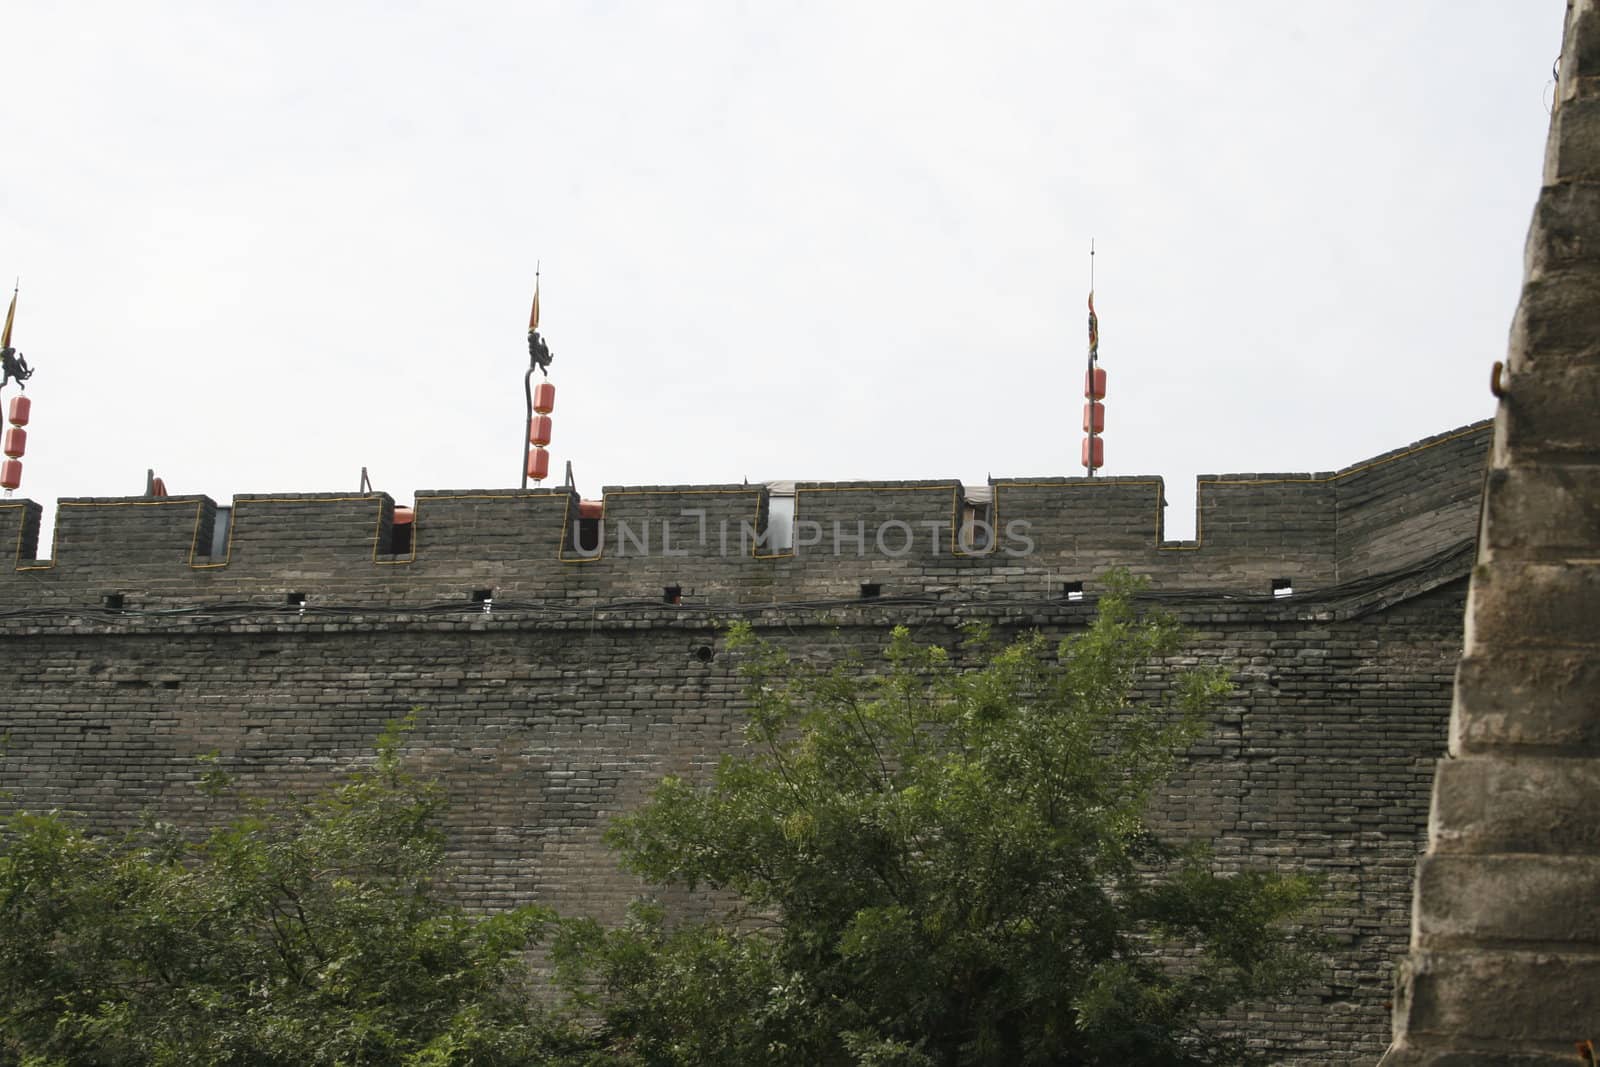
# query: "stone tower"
[[1504, 966]]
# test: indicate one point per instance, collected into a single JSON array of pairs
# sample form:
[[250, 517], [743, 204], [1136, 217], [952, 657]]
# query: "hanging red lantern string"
[[541, 399]]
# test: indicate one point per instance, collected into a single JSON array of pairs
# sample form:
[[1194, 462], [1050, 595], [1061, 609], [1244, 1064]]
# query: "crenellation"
[[485, 526], [305, 535], [903, 521], [662, 524], [1074, 520], [1289, 519], [715, 543], [19, 532], [100, 537]]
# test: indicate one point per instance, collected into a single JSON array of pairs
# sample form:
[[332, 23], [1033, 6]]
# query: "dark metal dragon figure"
[[15, 367], [539, 353]]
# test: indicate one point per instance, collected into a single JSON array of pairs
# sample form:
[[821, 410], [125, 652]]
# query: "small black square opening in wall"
[[295, 600], [672, 594], [588, 535], [482, 596], [1283, 587], [400, 538], [871, 590], [1072, 590], [112, 601]]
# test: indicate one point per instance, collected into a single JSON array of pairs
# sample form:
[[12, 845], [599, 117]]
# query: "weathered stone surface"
[[1570, 150], [1500, 1002], [1580, 52], [1573, 152], [1527, 698], [1549, 413], [1534, 605], [1557, 321], [1527, 899], [1413, 1057], [1505, 959], [1566, 219], [1527, 805], [1544, 513]]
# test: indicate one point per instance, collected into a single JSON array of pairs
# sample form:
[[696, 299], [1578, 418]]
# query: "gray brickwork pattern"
[[582, 685], [542, 728]]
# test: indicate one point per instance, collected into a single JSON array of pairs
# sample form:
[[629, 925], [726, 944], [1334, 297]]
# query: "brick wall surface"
[[565, 702]]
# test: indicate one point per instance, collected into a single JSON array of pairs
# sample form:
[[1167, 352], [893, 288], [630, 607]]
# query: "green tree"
[[314, 933], [941, 865]]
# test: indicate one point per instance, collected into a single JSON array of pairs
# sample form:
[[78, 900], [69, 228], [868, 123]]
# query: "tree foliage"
[[940, 865], [312, 934]]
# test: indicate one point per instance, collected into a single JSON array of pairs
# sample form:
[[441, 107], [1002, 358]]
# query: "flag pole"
[[1094, 353], [527, 379]]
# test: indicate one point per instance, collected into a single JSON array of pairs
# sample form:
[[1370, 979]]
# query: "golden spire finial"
[[533, 319], [11, 315]]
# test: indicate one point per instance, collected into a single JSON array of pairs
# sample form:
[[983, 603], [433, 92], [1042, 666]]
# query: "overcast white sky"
[[264, 245]]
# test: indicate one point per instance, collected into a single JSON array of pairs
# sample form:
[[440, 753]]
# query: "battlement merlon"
[[1022, 536]]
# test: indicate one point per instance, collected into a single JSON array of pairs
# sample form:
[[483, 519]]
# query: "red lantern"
[[10, 474], [16, 442], [404, 516], [1094, 417], [538, 464], [20, 407], [539, 430], [591, 509], [1096, 458], [1094, 384], [544, 398]]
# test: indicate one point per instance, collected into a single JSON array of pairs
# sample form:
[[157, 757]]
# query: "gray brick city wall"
[[565, 702]]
